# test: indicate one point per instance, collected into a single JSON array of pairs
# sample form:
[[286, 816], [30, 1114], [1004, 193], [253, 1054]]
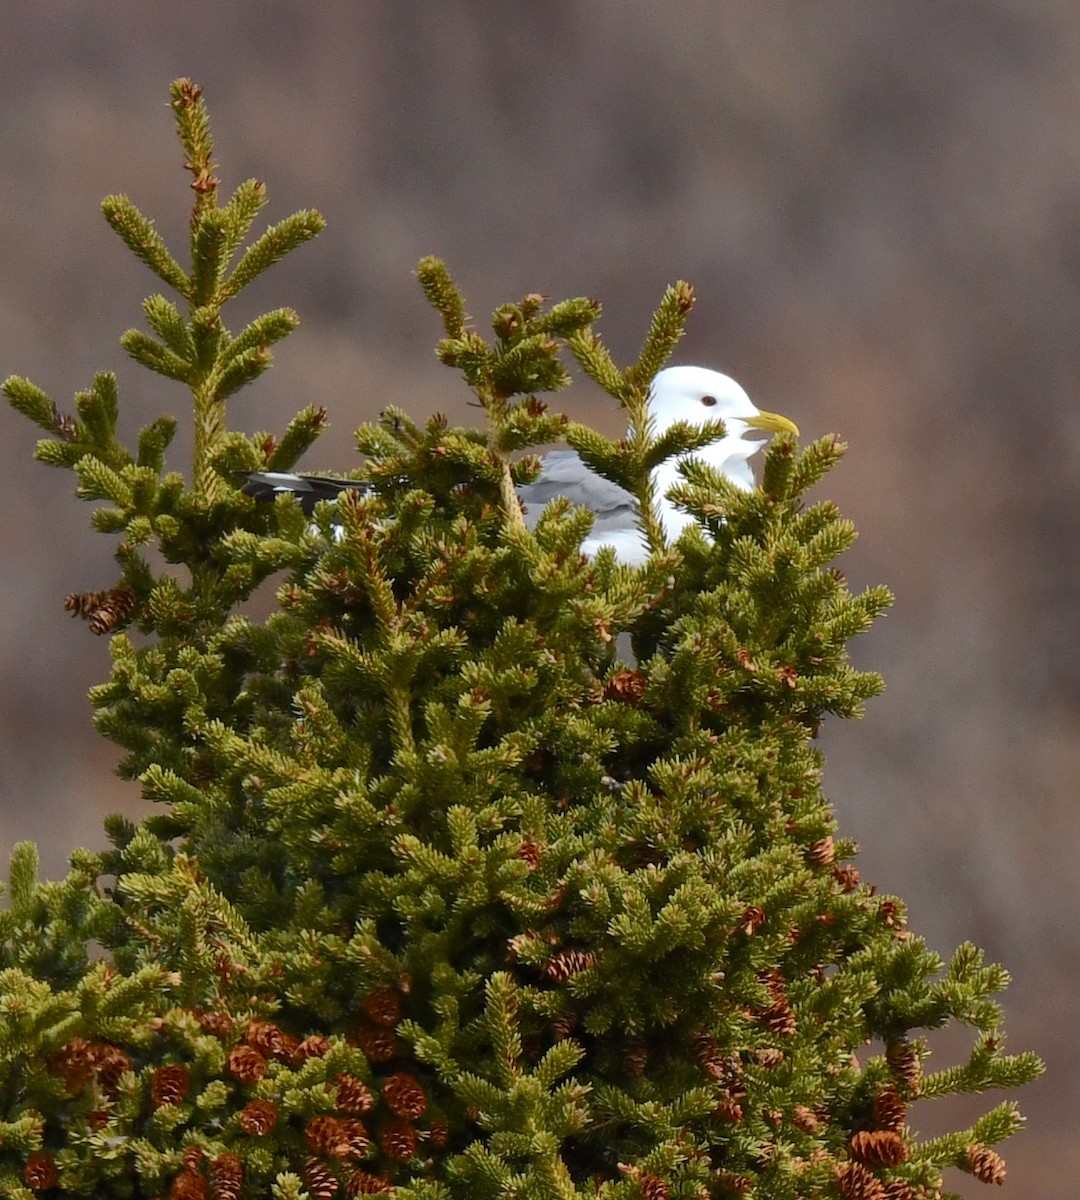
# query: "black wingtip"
[[307, 490]]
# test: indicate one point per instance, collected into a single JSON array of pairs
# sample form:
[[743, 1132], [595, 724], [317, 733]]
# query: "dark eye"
[[708, 401]]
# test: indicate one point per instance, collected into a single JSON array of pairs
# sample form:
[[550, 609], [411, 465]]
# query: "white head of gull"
[[693, 395]]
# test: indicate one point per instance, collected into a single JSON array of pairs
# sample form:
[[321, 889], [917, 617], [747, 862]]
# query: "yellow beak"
[[773, 422]]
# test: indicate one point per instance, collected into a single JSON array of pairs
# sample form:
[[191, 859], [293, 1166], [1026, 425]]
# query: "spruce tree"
[[480, 868]]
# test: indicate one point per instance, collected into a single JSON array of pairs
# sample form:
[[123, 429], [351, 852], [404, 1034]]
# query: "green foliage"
[[447, 892]]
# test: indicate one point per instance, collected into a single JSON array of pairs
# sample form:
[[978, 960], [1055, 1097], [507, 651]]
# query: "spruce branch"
[[991, 1129], [22, 880], [986, 1068], [209, 256], [243, 207], [57, 454], [523, 361], [302, 432], [154, 440], [262, 332], [243, 368], [443, 295], [196, 350], [154, 356], [681, 438], [595, 360], [567, 318], [143, 240], [193, 128], [165, 319], [27, 398], [820, 457], [271, 247], [665, 331], [98, 409]]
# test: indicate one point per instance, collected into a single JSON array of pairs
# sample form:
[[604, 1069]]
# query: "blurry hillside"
[[880, 208]]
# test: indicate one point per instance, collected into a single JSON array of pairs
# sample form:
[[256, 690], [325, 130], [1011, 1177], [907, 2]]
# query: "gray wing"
[[308, 489], [564, 474]]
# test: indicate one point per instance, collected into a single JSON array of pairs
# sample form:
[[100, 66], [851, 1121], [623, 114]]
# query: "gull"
[[693, 395]]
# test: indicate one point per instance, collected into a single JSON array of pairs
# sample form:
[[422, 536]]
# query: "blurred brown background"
[[880, 207]]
